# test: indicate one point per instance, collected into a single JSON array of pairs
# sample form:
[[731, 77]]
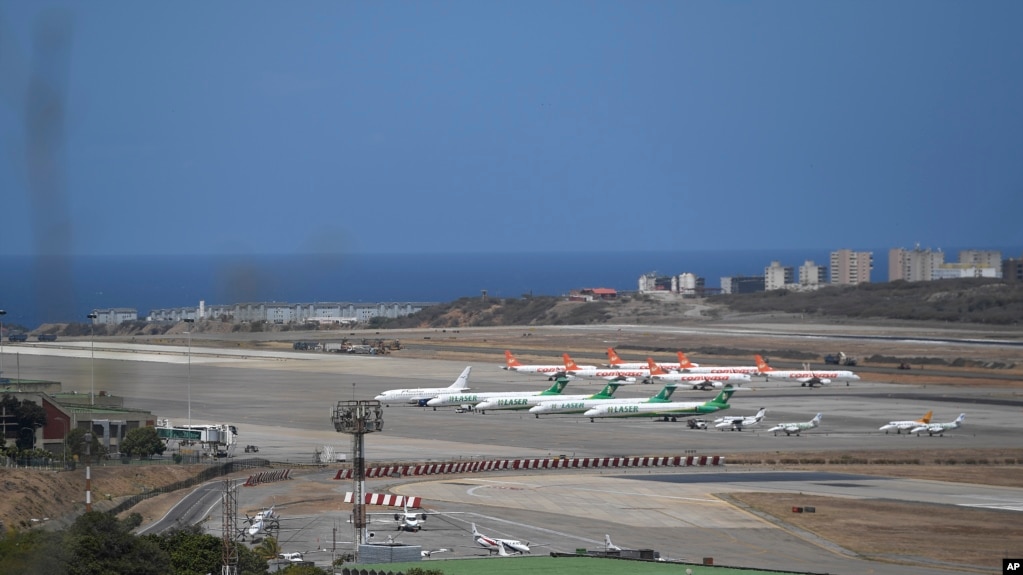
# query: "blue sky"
[[271, 127]]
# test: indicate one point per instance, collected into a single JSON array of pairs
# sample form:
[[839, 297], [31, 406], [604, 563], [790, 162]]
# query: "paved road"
[[282, 402]]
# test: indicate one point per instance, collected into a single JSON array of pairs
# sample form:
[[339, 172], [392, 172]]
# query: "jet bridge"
[[217, 439]]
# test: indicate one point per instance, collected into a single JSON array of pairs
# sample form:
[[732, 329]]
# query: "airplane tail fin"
[[510, 360], [926, 418], [760, 414], [654, 368], [557, 387], [816, 419], [608, 545], [475, 532], [612, 357], [961, 418], [501, 550], [608, 391], [463, 380], [724, 395], [683, 361], [569, 362], [762, 366]]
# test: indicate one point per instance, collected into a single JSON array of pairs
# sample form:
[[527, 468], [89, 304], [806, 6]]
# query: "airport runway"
[[282, 402]]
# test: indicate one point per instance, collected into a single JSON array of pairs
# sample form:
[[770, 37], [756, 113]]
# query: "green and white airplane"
[[790, 428], [669, 411], [472, 399], [518, 402], [556, 406]]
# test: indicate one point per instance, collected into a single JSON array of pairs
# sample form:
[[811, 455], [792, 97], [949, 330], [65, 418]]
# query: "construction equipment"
[[839, 358]]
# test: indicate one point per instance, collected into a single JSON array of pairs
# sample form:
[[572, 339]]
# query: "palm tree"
[[267, 549]]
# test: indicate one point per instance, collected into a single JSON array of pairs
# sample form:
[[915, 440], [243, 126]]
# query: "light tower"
[[92, 366], [358, 418]]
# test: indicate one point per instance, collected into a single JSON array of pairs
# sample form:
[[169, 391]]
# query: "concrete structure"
[[742, 284], [281, 313], [951, 271], [981, 258], [652, 282], [850, 268], [1012, 269], [812, 276], [777, 276], [115, 316], [916, 265]]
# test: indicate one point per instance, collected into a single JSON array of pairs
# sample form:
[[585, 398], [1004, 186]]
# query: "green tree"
[[32, 552], [76, 444], [143, 442], [98, 544], [194, 553], [303, 570], [267, 549]]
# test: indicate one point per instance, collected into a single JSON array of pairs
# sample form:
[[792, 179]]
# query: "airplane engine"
[[422, 402], [423, 517], [825, 381]]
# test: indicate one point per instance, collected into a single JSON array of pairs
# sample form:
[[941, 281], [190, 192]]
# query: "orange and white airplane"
[[615, 362], [906, 425], [512, 364], [805, 377], [697, 380], [689, 367], [623, 375]]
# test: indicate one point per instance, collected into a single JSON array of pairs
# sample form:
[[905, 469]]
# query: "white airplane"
[[608, 546], [939, 428], [472, 399], [739, 423], [686, 366], [669, 411], [293, 557], [550, 406], [512, 364], [260, 523], [625, 375], [409, 519], [790, 428], [518, 402], [615, 362], [697, 380], [420, 395], [805, 377], [907, 425], [502, 547]]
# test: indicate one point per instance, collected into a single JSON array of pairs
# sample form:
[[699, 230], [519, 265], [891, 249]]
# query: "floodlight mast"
[[358, 418]]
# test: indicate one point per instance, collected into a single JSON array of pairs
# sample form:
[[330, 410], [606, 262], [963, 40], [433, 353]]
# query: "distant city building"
[[742, 284], [812, 276], [850, 268], [652, 282], [951, 271], [777, 276], [1012, 269], [981, 258], [916, 265], [281, 313], [688, 285], [115, 316]]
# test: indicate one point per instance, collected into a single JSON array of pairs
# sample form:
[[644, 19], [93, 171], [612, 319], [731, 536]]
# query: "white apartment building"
[[916, 265], [812, 276], [777, 276]]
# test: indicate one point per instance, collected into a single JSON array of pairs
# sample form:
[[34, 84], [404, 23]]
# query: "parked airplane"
[[472, 399], [669, 411], [805, 377], [409, 519], [790, 428], [939, 428], [697, 380], [512, 364], [420, 395], [518, 402], [580, 405], [262, 522], [608, 546], [625, 375], [293, 557], [615, 362], [499, 546], [907, 425], [686, 366], [739, 423]]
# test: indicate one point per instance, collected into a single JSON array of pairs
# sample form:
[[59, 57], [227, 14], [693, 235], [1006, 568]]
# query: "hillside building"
[[115, 316], [1012, 269], [742, 284], [812, 276], [916, 265]]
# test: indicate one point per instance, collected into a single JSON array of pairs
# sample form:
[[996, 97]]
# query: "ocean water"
[[36, 290]]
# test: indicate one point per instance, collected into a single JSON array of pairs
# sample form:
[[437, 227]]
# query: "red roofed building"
[[593, 294]]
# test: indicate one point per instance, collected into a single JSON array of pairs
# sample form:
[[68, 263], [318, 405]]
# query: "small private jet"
[[933, 429], [797, 428], [900, 426], [503, 547], [738, 423]]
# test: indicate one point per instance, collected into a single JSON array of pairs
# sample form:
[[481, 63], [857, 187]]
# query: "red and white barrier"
[[387, 499], [267, 477], [525, 464]]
